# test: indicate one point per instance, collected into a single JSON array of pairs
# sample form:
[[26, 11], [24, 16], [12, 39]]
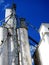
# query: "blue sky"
[[34, 11]]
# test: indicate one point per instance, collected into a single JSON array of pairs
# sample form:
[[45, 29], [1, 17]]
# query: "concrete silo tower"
[[24, 49], [41, 56], [3, 46], [12, 44]]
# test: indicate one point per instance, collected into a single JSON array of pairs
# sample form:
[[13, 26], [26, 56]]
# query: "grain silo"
[[25, 56], [3, 46], [41, 55]]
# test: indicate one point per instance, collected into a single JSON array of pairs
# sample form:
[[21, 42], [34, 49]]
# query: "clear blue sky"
[[34, 11]]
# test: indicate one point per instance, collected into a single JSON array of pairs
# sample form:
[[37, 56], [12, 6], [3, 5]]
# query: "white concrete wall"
[[44, 50], [3, 46], [24, 46], [12, 44], [8, 13], [43, 28]]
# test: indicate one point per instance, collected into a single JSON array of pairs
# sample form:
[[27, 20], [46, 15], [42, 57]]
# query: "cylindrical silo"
[[41, 55], [12, 44], [36, 57], [25, 57], [3, 46]]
